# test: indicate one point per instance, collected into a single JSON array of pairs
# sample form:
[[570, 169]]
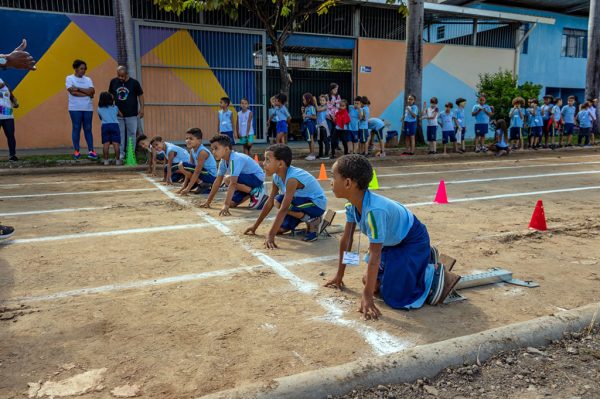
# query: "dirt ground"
[[567, 369], [113, 272]]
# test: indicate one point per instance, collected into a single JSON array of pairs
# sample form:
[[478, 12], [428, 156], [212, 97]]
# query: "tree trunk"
[[413, 77], [283, 68], [592, 82], [124, 35]]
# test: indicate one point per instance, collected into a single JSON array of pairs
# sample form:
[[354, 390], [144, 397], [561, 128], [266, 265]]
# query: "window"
[[441, 32], [574, 43]]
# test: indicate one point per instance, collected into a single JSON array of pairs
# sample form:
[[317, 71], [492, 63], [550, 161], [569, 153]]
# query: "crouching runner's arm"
[[290, 190], [345, 245], [213, 192], [367, 303], [264, 212]]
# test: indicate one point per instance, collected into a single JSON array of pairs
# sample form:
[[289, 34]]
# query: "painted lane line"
[[379, 346], [76, 182], [143, 230], [127, 190], [25, 213], [138, 284]]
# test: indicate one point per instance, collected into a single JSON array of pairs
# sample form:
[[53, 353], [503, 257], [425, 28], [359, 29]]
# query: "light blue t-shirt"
[[482, 117], [585, 118], [500, 137], [556, 114], [312, 189], [240, 164], [516, 117], [281, 114], [108, 114], [459, 114], [568, 113], [210, 165], [181, 154], [408, 117], [322, 117], [364, 123], [271, 113], [225, 121], [353, 125], [383, 220], [534, 120], [546, 111], [309, 111], [446, 121], [376, 124]]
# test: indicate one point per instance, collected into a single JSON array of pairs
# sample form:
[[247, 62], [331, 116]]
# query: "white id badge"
[[351, 258]]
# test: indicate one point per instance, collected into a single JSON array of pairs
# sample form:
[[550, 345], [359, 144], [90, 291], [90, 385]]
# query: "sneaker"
[[6, 232], [313, 224], [437, 286], [310, 157], [76, 155], [324, 157], [106, 162], [477, 149], [13, 158], [119, 162], [310, 237], [222, 188], [258, 198], [484, 149], [92, 155]]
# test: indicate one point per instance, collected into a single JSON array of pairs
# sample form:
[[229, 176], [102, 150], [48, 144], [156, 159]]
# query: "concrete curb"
[[418, 362]]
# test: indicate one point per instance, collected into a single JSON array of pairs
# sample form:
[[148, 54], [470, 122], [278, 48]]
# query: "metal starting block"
[[492, 276], [327, 221]]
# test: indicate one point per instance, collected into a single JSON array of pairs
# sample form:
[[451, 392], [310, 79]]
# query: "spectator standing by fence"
[[129, 98], [81, 109]]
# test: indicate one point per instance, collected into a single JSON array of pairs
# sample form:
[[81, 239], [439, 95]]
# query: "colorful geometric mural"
[[447, 75]]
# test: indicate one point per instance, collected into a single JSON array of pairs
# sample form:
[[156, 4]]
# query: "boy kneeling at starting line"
[[296, 193], [402, 266]]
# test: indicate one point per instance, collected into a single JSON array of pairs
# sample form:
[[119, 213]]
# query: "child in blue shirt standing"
[[584, 120], [411, 113], [431, 116], [546, 111], [295, 192], [459, 121], [309, 117], [399, 251], [245, 128], [568, 113], [363, 126], [111, 134], [201, 168], [245, 178], [536, 124], [517, 116], [446, 119], [323, 127], [482, 113], [226, 118], [355, 111], [282, 117], [557, 122]]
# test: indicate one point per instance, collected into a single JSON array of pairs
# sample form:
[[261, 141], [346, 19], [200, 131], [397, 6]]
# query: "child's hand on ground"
[[250, 231], [184, 192], [205, 205], [336, 282], [224, 211], [270, 242], [368, 308], [168, 183]]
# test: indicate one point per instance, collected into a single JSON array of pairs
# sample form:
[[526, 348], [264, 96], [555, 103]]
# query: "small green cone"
[[130, 157], [374, 184]]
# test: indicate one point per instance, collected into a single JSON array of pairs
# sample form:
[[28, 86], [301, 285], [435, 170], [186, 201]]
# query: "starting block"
[[327, 221], [492, 276]]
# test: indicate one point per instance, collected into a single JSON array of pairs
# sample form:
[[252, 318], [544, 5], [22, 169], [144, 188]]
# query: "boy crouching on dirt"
[[399, 256]]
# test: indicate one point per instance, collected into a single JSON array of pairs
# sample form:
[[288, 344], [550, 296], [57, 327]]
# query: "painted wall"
[[449, 72]]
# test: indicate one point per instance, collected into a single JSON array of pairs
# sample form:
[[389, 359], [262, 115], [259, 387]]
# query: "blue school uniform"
[[556, 117], [535, 122], [568, 113], [281, 116], [181, 155], [482, 120], [459, 115], [446, 121], [410, 122], [309, 200], [110, 130], [376, 125], [353, 125], [404, 273], [516, 123], [500, 143], [226, 123], [309, 126], [208, 173], [363, 125], [584, 118], [247, 171]]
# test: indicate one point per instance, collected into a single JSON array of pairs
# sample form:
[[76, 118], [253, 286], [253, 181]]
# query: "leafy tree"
[[501, 88]]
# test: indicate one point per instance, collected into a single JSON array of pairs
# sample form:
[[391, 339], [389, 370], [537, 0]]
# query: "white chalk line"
[[75, 182], [138, 284], [62, 210], [379, 347], [127, 190]]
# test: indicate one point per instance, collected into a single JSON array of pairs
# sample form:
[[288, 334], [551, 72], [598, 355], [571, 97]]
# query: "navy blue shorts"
[[403, 269], [204, 175], [230, 135], [410, 128], [251, 181], [175, 175], [353, 136], [448, 135], [363, 135], [432, 133], [515, 133], [299, 204], [463, 131], [536, 131], [481, 129], [111, 133], [160, 156], [281, 127], [569, 127], [310, 130]]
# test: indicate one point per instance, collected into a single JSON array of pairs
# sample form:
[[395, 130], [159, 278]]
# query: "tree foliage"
[[501, 88]]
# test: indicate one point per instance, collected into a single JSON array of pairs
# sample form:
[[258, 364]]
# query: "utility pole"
[[413, 76], [592, 76], [124, 34]]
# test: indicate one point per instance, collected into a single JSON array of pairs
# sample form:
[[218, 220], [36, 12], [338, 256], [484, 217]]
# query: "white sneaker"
[[258, 198], [311, 157], [106, 162], [119, 162]]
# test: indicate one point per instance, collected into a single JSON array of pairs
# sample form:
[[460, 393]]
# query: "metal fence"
[[90, 7], [185, 73]]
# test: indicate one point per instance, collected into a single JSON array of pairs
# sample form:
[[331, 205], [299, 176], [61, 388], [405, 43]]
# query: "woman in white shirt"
[[7, 119], [81, 109]]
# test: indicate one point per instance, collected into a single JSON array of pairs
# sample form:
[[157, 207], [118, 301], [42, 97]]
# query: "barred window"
[[574, 43]]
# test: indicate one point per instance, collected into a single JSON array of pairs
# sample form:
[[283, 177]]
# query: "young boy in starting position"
[[173, 156], [201, 168], [143, 142], [295, 192], [245, 178], [399, 251]]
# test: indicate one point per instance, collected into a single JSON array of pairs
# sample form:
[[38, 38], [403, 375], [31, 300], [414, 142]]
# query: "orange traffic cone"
[[538, 219], [322, 173], [440, 196], [256, 159]]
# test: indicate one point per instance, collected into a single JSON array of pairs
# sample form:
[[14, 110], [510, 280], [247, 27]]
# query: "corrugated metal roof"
[[574, 7]]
